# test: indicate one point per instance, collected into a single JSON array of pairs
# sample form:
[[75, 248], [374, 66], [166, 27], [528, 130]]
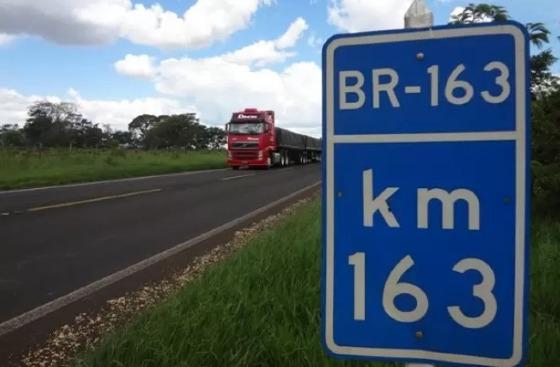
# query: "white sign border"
[[519, 136]]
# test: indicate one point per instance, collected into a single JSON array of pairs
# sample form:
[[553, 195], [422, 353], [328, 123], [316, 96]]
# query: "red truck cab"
[[250, 138]]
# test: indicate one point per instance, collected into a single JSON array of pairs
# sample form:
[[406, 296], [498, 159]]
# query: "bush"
[[546, 153]]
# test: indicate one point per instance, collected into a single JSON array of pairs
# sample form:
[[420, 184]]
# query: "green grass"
[[544, 323], [260, 307], [26, 168]]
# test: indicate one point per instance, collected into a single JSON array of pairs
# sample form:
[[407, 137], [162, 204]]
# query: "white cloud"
[[266, 52], [204, 22], [294, 93], [118, 113], [63, 21], [140, 66], [13, 106], [219, 85], [367, 15], [259, 53], [102, 21], [292, 35], [6, 38]]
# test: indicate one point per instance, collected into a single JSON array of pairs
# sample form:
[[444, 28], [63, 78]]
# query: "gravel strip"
[[64, 344]]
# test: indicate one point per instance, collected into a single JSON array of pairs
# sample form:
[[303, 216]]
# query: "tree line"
[[55, 125]]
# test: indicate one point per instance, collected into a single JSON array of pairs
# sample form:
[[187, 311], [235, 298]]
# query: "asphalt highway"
[[56, 240]]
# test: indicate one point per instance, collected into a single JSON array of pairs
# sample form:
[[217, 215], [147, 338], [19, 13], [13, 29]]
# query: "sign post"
[[418, 15], [425, 193]]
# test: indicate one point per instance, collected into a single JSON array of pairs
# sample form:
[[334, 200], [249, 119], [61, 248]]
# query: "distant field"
[[25, 168], [261, 307]]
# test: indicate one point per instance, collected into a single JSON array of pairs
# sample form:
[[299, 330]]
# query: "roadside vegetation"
[[57, 145], [29, 168], [261, 307], [544, 322]]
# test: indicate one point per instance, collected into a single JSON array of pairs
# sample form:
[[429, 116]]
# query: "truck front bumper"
[[247, 158], [248, 163]]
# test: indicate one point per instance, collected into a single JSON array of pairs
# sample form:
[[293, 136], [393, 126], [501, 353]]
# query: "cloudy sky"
[[120, 58]]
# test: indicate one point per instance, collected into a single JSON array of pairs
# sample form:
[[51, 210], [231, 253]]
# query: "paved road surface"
[[53, 241]]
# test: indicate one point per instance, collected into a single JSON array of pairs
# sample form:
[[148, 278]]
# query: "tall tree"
[[177, 131], [542, 79], [546, 153], [140, 125], [51, 124], [60, 124], [87, 135], [538, 33], [480, 13]]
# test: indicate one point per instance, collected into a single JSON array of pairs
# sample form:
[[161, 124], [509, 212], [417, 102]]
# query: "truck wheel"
[[235, 168]]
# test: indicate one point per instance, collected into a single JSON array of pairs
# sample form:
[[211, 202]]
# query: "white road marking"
[[234, 177], [41, 311], [93, 200]]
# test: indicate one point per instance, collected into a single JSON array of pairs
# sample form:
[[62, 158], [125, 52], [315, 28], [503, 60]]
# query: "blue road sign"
[[425, 184]]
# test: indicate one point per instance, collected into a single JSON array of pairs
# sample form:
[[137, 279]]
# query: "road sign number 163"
[[394, 288]]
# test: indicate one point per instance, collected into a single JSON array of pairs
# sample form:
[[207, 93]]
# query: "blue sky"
[[70, 58]]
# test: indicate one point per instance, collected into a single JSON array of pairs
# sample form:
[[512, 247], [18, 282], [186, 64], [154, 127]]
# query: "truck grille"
[[244, 145], [245, 154]]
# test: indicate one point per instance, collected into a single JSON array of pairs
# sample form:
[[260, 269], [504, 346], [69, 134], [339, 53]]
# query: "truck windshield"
[[250, 128]]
